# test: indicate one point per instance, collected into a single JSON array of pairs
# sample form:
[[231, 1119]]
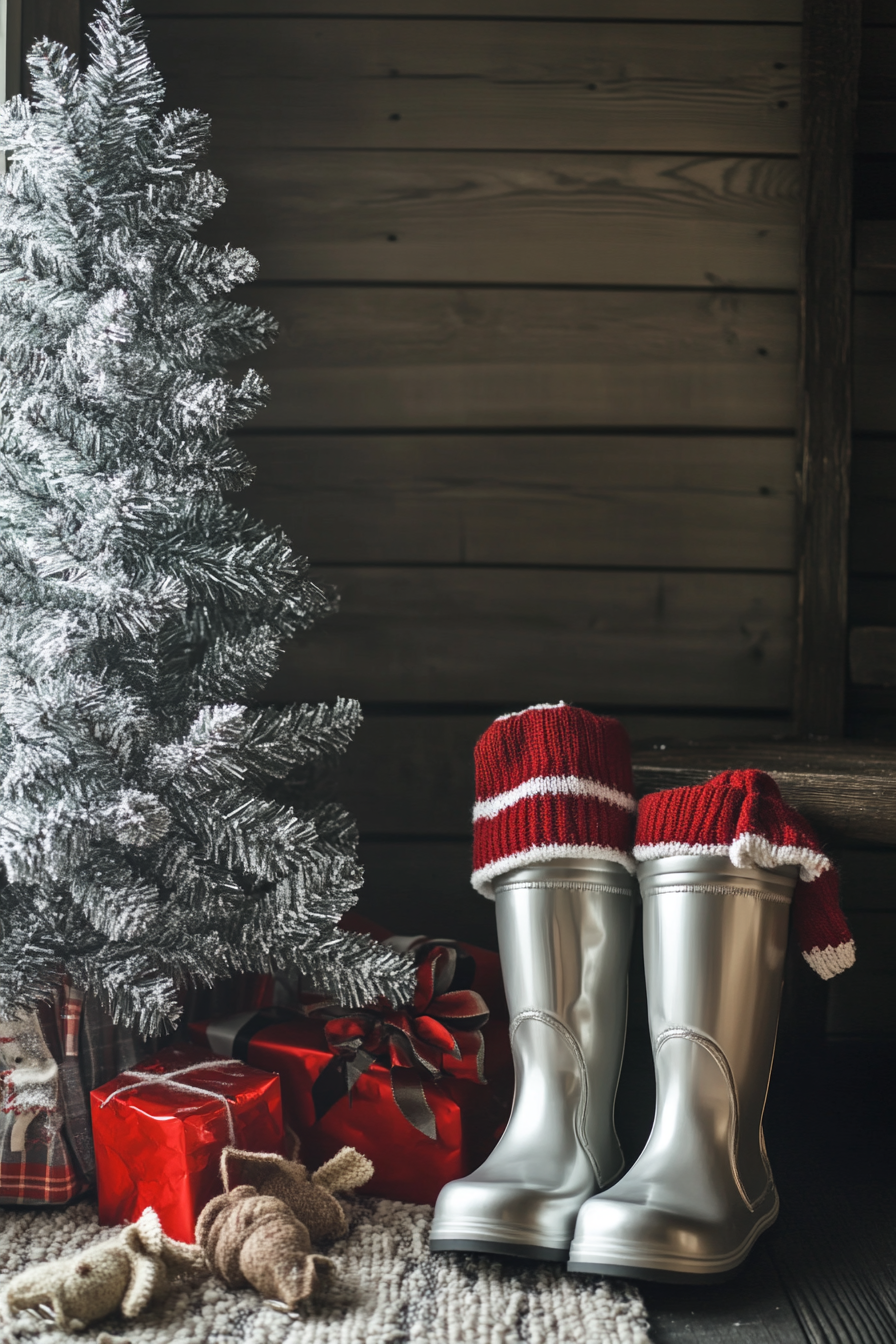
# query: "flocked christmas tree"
[[145, 842]]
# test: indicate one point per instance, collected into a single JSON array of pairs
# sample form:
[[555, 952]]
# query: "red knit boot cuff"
[[552, 782]]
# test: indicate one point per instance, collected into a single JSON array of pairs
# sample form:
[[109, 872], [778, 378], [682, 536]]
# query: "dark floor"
[[826, 1272]]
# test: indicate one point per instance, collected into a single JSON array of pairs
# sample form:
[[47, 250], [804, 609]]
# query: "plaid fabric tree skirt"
[[388, 1288]]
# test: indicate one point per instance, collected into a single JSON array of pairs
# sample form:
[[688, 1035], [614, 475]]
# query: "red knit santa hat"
[[740, 814], [552, 782]]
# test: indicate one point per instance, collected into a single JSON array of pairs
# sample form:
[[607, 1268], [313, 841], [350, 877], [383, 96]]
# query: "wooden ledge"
[[846, 789]]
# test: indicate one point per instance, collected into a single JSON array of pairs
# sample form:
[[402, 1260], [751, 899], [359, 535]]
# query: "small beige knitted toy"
[[309, 1196], [131, 1271], [260, 1232]]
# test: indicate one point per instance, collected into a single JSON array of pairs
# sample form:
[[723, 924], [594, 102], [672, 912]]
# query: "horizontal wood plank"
[[874, 12], [875, 251], [513, 218], [872, 655], [848, 790], [876, 244], [735, 11], [873, 471], [864, 1004], [436, 84], [412, 774], [876, 126], [424, 887], [872, 524], [872, 600], [462, 358], [877, 76], [695, 502], [874, 188], [461, 634], [867, 880], [874, 337], [871, 713]]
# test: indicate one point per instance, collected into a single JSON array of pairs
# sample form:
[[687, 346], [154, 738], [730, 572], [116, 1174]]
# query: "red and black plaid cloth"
[[55, 1161]]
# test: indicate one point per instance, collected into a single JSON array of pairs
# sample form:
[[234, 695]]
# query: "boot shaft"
[[715, 938], [564, 933], [564, 930]]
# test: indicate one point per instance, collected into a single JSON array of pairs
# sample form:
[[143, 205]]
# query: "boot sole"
[[656, 1274], [515, 1248]]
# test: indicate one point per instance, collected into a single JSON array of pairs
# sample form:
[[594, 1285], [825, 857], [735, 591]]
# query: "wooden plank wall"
[[533, 399]]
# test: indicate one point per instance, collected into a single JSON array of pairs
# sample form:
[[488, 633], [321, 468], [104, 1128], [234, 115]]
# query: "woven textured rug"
[[388, 1290]]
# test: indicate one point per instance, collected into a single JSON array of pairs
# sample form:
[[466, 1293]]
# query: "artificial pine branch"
[[144, 845]]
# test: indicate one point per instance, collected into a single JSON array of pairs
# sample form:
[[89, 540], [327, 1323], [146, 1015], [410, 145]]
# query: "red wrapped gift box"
[[159, 1143], [420, 1126]]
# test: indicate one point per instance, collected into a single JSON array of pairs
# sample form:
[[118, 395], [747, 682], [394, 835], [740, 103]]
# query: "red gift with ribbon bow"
[[439, 1033], [423, 1090]]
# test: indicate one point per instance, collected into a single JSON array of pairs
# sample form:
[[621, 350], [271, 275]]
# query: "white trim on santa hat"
[[830, 961], [546, 785], [517, 713], [743, 852], [482, 878]]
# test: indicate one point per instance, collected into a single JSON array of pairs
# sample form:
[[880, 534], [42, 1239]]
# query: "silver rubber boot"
[[564, 933], [702, 1190]]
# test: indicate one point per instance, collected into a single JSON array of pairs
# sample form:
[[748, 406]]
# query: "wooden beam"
[[847, 789], [831, 45], [411, 777]]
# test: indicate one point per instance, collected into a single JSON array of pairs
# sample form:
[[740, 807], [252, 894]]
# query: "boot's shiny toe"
[[634, 1241], [504, 1218]]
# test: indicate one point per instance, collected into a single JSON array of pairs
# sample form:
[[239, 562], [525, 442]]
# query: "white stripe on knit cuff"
[[482, 878], [546, 785], [518, 713], [744, 851], [830, 961]]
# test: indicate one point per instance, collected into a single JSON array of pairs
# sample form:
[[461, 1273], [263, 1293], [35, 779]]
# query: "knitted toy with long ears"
[[310, 1197], [741, 815], [552, 782], [130, 1272]]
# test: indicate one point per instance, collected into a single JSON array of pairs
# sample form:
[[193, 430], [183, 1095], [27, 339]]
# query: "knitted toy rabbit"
[[260, 1232], [311, 1197], [130, 1272]]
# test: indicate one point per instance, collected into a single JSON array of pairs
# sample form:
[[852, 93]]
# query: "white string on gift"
[[173, 1079]]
